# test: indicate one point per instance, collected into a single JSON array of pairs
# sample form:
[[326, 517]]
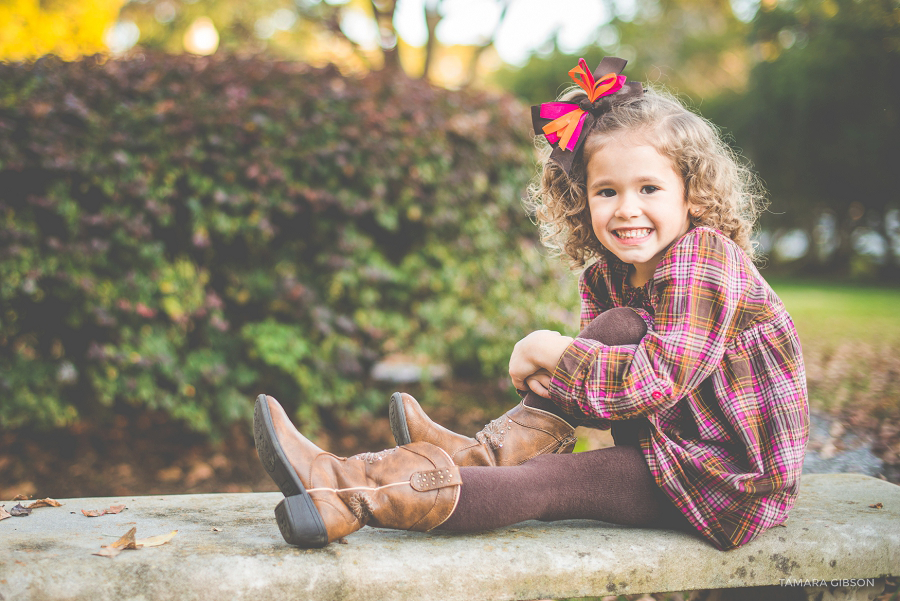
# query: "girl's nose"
[[629, 206]]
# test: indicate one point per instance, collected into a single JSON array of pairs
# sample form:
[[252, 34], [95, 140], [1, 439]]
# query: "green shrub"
[[183, 233]]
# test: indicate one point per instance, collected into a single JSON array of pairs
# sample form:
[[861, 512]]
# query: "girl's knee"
[[615, 327]]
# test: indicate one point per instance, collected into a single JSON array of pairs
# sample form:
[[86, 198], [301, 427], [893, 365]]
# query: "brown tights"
[[612, 485], [613, 327]]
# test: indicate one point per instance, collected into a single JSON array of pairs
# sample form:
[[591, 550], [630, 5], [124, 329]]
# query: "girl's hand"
[[539, 382], [539, 350]]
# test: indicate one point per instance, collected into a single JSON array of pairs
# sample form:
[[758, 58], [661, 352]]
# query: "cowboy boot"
[[520, 434], [415, 487]]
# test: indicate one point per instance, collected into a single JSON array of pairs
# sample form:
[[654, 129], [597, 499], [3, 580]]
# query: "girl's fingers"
[[538, 387]]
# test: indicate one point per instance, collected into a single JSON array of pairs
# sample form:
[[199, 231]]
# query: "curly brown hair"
[[722, 191]]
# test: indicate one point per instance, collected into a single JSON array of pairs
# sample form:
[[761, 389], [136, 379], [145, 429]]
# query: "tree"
[[32, 28], [312, 31], [693, 47], [821, 120]]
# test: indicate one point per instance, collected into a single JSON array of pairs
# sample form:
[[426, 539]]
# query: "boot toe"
[[284, 452]]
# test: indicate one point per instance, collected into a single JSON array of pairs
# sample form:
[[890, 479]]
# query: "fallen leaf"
[[96, 513], [199, 472], [19, 511], [48, 502], [108, 552], [20, 498], [877, 506], [155, 541], [3, 513], [126, 542], [169, 474]]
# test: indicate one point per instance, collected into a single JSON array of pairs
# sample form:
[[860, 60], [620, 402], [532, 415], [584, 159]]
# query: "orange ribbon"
[[568, 123], [585, 81]]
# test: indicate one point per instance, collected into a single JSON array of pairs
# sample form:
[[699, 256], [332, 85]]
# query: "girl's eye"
[[606, 193], [649, 189]]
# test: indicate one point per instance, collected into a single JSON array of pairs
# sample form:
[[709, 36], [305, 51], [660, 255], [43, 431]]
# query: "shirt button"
[[656, 394]]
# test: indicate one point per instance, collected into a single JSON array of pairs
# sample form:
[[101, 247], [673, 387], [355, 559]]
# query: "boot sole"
[[398, 420], [297, 517], [300, 523]]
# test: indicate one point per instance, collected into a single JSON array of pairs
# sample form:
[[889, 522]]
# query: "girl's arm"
[[534, 358]]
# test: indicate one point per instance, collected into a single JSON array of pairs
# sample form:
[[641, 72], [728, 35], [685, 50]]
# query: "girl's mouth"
[[634, 235]]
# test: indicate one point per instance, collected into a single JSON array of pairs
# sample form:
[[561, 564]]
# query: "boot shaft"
[[414, 487], [407, 488], [522, 433]]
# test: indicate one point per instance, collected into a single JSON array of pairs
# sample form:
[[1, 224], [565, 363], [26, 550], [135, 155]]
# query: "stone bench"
[[228, 547]]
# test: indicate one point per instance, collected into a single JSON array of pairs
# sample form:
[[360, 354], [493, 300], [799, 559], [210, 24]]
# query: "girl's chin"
[[631, 255]]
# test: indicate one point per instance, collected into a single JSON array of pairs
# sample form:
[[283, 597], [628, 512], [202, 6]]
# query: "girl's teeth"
[[633, 233]]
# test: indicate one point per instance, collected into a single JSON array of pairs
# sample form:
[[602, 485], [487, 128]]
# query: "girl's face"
[[637, 203]]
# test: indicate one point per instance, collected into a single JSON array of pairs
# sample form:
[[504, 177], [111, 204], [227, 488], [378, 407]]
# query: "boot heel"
[[399, 427], [300, 522]]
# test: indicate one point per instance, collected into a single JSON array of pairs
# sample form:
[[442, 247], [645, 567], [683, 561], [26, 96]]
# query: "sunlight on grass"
[[833, 313]]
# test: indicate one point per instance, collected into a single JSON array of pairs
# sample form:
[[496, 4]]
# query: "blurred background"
[[205, 200]]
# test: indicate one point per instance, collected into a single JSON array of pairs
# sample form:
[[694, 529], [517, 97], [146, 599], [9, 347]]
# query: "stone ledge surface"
[[831, 533]]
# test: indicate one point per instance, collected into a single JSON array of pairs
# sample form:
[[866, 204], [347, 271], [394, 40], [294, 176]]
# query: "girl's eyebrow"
[[601, 182], [641, 179]]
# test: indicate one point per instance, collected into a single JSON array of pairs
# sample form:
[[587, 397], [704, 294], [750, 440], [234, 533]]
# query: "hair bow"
[[562, 123]]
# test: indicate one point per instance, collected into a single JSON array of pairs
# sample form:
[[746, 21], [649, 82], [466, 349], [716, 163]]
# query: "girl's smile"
[[633, 235], [637, 203]]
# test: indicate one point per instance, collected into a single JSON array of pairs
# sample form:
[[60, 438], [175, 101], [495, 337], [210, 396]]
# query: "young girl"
[[684, 350]]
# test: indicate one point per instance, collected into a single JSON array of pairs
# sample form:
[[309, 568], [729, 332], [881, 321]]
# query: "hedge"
[[181, 233]]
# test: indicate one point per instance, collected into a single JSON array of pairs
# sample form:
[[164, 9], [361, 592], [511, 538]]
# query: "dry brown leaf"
[[199, 472], [126, 542], [877, 506], [19, 511], [20, 498], [3, 513], [48, 502], [96, 513], [155, 541], [108, 552]]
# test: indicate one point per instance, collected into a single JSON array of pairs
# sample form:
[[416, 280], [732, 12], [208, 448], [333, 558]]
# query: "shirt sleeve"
[[697, 286], [591, 306]]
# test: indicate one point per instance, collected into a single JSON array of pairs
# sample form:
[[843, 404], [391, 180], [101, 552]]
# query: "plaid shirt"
[[719, 376]]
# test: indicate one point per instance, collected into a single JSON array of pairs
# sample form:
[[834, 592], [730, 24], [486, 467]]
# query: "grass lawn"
[[851, 345], [841, 312]]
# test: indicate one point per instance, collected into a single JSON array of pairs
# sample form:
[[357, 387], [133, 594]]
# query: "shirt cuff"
[[567, 388]]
